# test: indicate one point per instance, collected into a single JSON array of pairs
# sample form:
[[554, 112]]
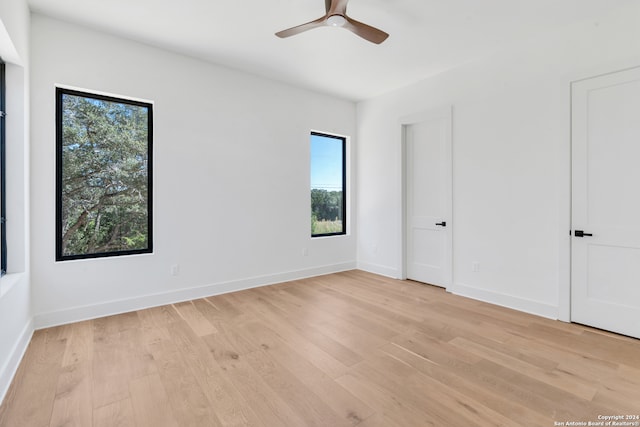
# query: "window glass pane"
[[104, 176], [327, 185]]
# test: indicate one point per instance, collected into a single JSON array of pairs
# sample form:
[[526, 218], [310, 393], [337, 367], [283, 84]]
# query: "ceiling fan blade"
[[336, 7], [320, 22], [365, 31]]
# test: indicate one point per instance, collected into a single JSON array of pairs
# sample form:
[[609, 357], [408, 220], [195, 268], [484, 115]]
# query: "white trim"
[[564, 221], [382, 270], [402, 226], [509, 301], [80, 313], [8, 371]]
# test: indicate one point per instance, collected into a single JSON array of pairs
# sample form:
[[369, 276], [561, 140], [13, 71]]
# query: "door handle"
[[442, 224], [580, 233]]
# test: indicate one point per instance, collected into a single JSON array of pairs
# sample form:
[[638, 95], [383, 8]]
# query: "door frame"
[[441, 112]]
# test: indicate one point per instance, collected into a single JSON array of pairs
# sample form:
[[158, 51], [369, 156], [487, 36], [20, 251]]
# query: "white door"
[[427, 145], [605, 263]]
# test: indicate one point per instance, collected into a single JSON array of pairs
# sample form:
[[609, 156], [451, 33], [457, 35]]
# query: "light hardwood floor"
[[345, 349]]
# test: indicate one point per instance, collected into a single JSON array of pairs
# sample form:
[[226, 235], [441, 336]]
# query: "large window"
[[328, 189], [3, 187], [104, 176]]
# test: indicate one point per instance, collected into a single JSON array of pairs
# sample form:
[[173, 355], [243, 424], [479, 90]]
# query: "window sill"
[[329, 236], [8, 281]]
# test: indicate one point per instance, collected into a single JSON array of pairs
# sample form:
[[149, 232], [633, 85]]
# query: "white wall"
[[15, 292], [511, 139], [231, 177]]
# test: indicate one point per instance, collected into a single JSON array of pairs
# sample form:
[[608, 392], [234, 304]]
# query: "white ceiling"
[[426, 36]]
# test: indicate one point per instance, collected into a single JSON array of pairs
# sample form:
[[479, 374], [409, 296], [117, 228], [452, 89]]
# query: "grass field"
[[326, 227]]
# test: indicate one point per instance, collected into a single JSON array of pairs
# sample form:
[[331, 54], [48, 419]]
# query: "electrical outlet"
[[175, 269], [475, 266]]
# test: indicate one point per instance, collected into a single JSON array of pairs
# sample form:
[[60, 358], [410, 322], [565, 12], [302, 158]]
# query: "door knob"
[[580, 233], [442, 224]]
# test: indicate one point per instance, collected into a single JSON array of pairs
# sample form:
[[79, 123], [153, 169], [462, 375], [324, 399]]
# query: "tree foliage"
[[326, 206], [105, 176]]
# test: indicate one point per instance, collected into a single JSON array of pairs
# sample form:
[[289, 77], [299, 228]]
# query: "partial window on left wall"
[[3, 185], [104, 175]]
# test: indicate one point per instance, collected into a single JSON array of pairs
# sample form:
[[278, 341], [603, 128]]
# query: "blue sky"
[[326, 163]]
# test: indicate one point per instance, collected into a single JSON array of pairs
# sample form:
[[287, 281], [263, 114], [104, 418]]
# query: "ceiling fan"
[[336, 16]]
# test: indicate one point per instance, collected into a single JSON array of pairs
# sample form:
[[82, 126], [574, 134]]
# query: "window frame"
[[60, 92], [344, 183], [3, 173]]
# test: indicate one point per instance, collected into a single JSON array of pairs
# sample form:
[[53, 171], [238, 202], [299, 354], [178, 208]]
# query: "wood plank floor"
[[347, 349]]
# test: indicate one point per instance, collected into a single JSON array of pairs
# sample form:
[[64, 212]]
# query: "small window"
[[328, 189], [104, 176], [3, 186]]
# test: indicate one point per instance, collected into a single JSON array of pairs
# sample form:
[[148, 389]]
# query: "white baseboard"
[[382, 270], [504, 300], [77, 314], [8, 371]]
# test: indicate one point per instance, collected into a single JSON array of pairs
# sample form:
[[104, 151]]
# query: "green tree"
[[105, 176], [326, 205]]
